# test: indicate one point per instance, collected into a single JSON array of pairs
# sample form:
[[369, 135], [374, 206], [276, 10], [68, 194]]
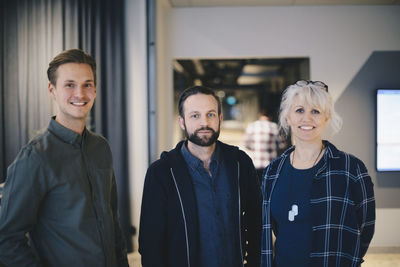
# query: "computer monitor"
[[388, 130]]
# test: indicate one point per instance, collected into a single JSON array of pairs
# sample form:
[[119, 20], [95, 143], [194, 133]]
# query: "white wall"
[[165, 79], [338, 40], [136, 73], [387, 232]]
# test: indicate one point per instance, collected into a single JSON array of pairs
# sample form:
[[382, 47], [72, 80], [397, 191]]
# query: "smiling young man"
[[59, 205], [201, 201]]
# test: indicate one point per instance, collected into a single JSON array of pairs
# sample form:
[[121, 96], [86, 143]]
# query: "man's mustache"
[[205, 128]]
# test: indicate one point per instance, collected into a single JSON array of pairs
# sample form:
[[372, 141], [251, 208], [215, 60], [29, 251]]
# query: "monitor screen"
[[388, 130]]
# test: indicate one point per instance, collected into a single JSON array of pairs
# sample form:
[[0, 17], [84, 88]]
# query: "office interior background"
[[249, 50]]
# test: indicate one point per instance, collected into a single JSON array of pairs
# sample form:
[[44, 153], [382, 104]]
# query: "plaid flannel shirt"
[[342, 210], [263, 140]]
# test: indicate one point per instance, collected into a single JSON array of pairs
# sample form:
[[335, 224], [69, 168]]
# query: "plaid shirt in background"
[[263, 140], [342, 210]]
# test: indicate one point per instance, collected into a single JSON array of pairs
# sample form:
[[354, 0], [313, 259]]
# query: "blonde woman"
[[317, 200]]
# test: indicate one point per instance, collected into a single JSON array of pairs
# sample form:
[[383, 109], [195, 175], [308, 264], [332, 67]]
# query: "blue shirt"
[[293, 238], [219, 244]]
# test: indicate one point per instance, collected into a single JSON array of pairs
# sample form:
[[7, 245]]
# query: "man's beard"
[[203, 141]]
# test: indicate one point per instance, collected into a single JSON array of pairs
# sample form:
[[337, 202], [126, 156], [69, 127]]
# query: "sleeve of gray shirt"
[[23, 191]]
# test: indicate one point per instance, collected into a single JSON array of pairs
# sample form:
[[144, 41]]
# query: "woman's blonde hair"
[[312, 94]]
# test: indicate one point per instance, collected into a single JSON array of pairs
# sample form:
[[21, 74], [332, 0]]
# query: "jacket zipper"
[[240, 214], [184, 217]]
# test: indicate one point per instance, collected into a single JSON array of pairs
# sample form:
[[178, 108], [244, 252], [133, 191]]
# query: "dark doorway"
[[245, 85]]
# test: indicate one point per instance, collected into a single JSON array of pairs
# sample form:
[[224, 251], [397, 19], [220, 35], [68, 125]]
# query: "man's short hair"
[[70, 56], [194, 91], [265, 112]]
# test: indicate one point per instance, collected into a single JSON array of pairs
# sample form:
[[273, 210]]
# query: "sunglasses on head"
[[316, 83]]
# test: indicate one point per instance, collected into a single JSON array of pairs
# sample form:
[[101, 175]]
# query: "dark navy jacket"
[[169, 233]]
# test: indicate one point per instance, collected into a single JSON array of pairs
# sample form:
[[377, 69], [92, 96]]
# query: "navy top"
[[219, 242], [293, 238]]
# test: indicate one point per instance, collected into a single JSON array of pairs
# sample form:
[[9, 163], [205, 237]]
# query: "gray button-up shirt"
[[61, 190]]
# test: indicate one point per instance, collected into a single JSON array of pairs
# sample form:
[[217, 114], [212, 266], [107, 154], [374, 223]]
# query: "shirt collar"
[[65, 134], [194, 162], [332, 151]]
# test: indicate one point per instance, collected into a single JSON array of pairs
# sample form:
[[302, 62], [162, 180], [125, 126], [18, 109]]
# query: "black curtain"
[[32, 32]]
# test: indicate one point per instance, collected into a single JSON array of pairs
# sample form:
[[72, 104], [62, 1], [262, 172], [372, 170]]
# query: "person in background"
[[262, 138], [59, 205], [317, 200], [201, 201]]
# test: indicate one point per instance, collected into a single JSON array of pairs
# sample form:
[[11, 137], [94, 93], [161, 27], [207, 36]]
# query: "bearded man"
[[201, 201]]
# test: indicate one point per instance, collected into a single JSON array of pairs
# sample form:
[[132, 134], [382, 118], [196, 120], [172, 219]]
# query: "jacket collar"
[[331, 150]]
